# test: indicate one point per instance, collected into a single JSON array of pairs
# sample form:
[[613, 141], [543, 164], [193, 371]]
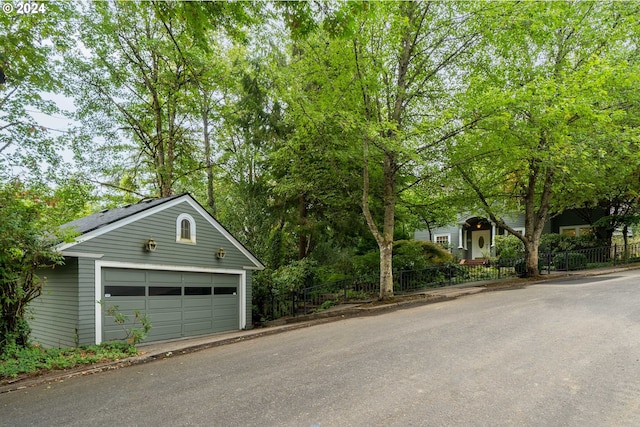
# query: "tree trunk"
[[386, 270], [211, 204], [302, 227], [384, 239], [531, 258]]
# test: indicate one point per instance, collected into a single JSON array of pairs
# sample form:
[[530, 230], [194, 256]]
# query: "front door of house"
[[480, 244]]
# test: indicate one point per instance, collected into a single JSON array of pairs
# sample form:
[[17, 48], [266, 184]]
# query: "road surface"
[[558, 353]]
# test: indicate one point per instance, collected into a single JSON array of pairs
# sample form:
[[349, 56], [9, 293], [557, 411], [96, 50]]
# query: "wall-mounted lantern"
[[150, 245], [220, 253]]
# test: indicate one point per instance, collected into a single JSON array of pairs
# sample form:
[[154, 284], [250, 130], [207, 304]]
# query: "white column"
[[493, 235], [460, 246]]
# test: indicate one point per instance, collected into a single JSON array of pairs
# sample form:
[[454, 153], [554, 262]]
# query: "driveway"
[[559, 353]]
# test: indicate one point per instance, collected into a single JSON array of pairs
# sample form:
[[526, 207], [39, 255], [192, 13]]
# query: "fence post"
[[293, 303], [450, 274], [549, 262], [615, 253], [344, 281], [566, 259]]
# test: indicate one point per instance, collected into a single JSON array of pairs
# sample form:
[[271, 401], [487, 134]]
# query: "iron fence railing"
[[366, 288]]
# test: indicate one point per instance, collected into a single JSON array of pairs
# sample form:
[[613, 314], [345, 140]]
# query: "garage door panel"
[[124, 305], [111, 335], [197, 278], [124, 275], [164, 332], [224, 311], [189, 303], [225, 280], [196, 315], [198, 328], [164, 316], [178, 304], [171, 277], [163, 303], [225, 325]]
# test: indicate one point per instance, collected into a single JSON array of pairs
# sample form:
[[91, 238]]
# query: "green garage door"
[[178, 304]]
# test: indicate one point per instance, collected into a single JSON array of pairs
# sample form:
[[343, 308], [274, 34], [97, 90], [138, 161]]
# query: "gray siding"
[[249, 304], [55, 311], [125, 244], [87, 301]]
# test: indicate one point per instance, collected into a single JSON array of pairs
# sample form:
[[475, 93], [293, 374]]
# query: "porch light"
[[150, 245], [220, 253]]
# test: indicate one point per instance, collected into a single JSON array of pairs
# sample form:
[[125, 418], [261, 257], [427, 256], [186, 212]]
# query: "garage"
[[167, 258], [178, 304]]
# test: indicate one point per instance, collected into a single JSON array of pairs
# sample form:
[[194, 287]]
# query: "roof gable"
[[103, 222], [109, 216]]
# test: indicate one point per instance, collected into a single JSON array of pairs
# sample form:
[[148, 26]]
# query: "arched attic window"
[[185, 229]]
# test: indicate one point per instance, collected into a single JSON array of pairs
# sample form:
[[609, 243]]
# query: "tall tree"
[[27, 72], [389, 70], [550, 85]]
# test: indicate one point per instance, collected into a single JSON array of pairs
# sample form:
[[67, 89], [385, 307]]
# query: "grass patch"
[[35, 360]]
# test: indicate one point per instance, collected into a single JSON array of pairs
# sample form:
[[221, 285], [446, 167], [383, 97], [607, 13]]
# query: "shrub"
[[570, 261], [509, 247], [554, 242], [407, 255], [17, 360]]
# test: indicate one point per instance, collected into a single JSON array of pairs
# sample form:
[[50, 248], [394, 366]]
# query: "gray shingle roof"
[[106, 217]]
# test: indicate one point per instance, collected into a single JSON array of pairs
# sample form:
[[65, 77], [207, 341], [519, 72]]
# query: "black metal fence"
[[365, 288]]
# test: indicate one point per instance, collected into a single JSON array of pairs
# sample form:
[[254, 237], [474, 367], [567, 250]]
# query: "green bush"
[[16, 360], [407, 255], [570, 261], [509, 247], [555, 243]]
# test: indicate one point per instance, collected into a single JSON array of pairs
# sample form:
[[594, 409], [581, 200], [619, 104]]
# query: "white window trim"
[[447, 235], [576, 228], [192, 240]]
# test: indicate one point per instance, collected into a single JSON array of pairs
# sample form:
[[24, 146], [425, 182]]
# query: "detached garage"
[[167, 258]]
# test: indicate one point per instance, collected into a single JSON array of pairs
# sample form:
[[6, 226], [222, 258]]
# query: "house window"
[[442, 240], [185, 229], [576, 230]]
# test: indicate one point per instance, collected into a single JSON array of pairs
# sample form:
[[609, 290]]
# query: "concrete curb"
[[156, 351]]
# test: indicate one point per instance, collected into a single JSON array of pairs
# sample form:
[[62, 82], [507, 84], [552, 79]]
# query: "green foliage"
[[26, 238], [508, 247], [28, 64], [326, 305], [407, 255], [554, 242], [295, 275], [279, 284], [135, 330], [570, 261], [16, 360], [416, 255]]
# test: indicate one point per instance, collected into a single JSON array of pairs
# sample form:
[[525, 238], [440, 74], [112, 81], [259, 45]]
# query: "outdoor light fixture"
[[220, 253], [479, 225], [150, 245]]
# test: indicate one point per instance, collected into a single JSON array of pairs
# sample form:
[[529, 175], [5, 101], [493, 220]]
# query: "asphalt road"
[[564, 353]]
